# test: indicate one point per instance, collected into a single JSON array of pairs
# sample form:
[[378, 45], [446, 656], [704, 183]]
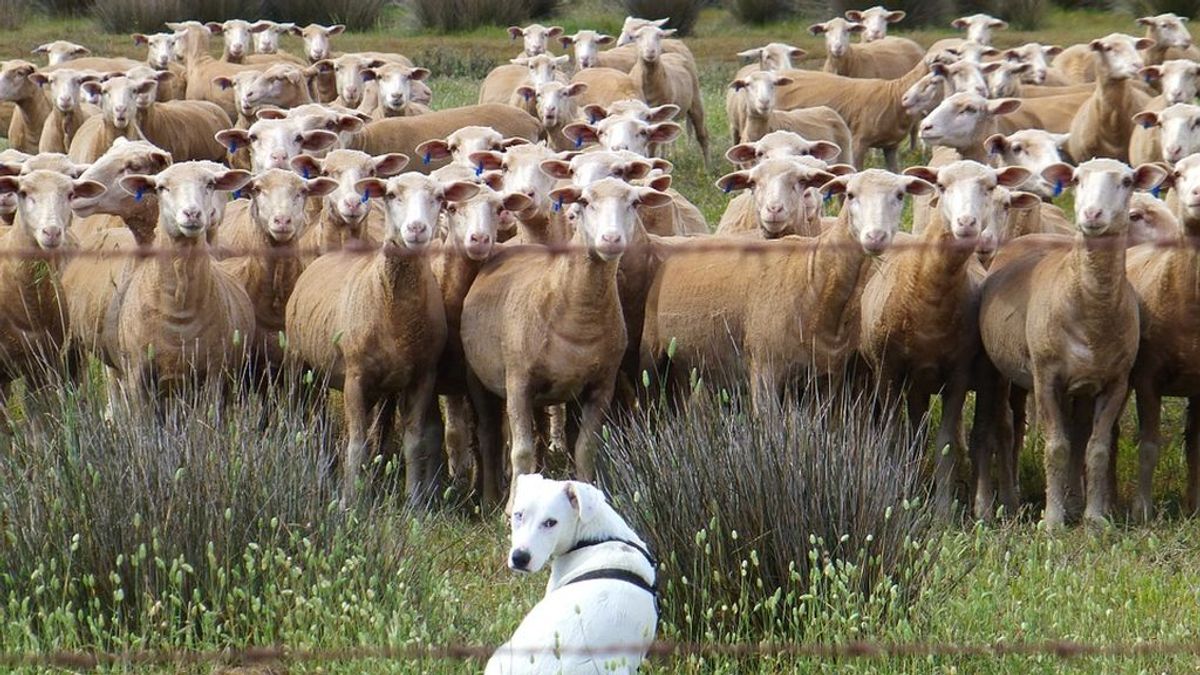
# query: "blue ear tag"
[[304, 173], [428, 156], [1156, 190], [1146, 125], [827, 198], [237, 194], [1058, 188], [558, 204], [365, 197], [579, 141], [478, 169], [727, 189], [141, 192]]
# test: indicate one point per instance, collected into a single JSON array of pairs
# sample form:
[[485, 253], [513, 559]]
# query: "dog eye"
[[517, 516], [549, 523]]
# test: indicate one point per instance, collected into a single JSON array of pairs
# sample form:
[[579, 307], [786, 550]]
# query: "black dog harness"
[[616, 574]]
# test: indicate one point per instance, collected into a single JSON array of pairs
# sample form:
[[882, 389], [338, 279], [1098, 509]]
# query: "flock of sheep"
[[534, 253]]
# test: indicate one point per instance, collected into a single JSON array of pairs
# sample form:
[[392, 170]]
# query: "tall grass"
[[775, 517], [13, 13], [123, 16], [458, 15], [355, 14], [757, 11], [682, 13]]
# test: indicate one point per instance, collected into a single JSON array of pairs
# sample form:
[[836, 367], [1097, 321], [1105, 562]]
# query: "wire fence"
[[663, 649]]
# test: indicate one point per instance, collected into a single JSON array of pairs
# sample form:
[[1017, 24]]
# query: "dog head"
[[547, 517]]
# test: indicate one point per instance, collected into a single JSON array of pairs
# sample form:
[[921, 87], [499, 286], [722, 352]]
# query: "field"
[[215, 526]]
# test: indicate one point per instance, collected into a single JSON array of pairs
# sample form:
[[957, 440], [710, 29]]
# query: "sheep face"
[[350, 73], [64, 86], [535, 37], [1037, 56], [1032, 149], [649, 42], [1178, 79], [14, 79], [1004, 78], [924, 95], [278, 85], [1180, 125], [779, 188], [61, 51], [237, 36], [273, 143], [632, 25], [347, 168], [412, 203], [759, 90], [186, 194], [124, 158], [972, 51], [586, 47], [965, 76], [316, 40], [1150, 220], [589, 167], [119, 97], [266, 40], [395, 84], [44, 200], [522, 170], [543, 67], [875, 21], [1102, 191], [1168, 30], [623, 133], [997, 225], [160, 48], [965, 190], [605, 213], [554, 100], [837, 34], [474, 222], [1185, 179], [277, 202], [874, 202], [460, 145], [781, 144], [1117, 55], [342, 122], [979, 27], [958, 120]]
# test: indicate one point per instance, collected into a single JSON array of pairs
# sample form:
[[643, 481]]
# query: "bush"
[[757, 11], [764, 514], [936, 13], [1188, 8], [125, 16], [682, 13], [457, 15], [13, 14], [66, 7], [356, 14]]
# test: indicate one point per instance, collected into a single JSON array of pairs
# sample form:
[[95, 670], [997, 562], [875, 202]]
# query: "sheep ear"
[[567, 195], [516, 201], [270, 113], [493, 179], [664, 132], [336, 29], [1052, 50], [660, 164], [515, 32], [917, 186], [91, 89], [738, 180], [11, 168], [136, 184], [647, 196], [419, 74], [840, 169], [233, 137], [797, 53], [896, 16], [307, 165], [998, 24], [140, 39], [526, 92], [1151, 73], [487, 160], [318, 139], [1147, 176], [433, 150], [161, 159], [751, 54], [1096, 45], [925, 173], [371, 188], [605, 39], [1059, 174], [1060, 140], [575, 89], [995, 144], [322, 66], [1022, 201], [992, 67], [215, 28], [824, 150], [87, 189], [566, 41], [1004, 106], [556, 168], [260, 26], [349, 124], [742, 153], [222, 81], [783, 81], [959, 23], [554, 31], [9, 185], [594, 112], [368, 75], [581, 133], [1146, 119], [818, 178], [818, 29], [319, 187], [854, 15], [234, 179], [1142, 44], [459, 191], [39, 79], [1145, 21], [662, 113], [41, 49], [389, 164], [856, 28], [1012, 176], [660, 183]]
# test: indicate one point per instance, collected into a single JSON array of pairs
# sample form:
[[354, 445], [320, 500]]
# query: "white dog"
[[600, 611]]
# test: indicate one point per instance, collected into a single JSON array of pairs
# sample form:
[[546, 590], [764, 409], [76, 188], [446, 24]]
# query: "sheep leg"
[[891, 157], [985, 433], [357, 408], [488, 442], [1149, 412], [591, 417], [420, 447], [1054, 427], [1100, 451], [695, 118], [522, 434], [1014, 443], [1191, 446], [948, 442], [1079, 429], [457, 440]]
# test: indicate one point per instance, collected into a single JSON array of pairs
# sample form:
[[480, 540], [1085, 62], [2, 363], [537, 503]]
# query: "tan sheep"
[[373, 326], [69, 112], [1179, 79], [1035, 55], [979, 27], [540, 330], [61, 51], [344, 216], [585, 47], [283, 85], [160, 55], [266, 40], [605, 86], [274, 142], [1059, 318], [202, 69], [631, 26], [1033, 149], [397, 91], [723, 313], [1168, 39], [782, 199], [32, 107], [1102, 127], [780, 144], [118, 118], [875, 21], [761, 117], [883, 59], [186, 129], [666, 78]]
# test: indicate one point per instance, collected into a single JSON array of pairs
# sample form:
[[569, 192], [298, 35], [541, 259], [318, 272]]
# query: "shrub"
[[457, 15], [13, 14], [936, 13], [757, 11], [125, 16], [66, 7], [771, 515], [356, 14], [682, 13], [1188, 8]]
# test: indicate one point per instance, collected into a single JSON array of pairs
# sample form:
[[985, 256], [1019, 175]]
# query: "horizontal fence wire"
[[249, 656], [663, 248]]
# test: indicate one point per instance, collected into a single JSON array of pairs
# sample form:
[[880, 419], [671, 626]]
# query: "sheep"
[[782, 200], [33, 331], [1013, 213], [344, 217], [665, 78], [501, 83], [610, 121], [1059, 318], [405, 134], [343, 122], [373, 326], [979, 27], [585, 47], [61, 51], [117, 118], [271, 263], [818, 123], [556, 107], [68, 113], [628, 36], [32, 107], [274, 142], [605, 87], [1039, 71], [1102, 127], [772, 56], [266, 41], [396, 91], [1176, 136], [1033, 149], [875, 21], [1151, 221], [623, 132], [160, 48], [883, 59], [872, 109], [283, 85], [520, 166], [201, 68], [186, 129], [355, 78], [780, 144], [236, 34], [317, 47], [1179, 86], [179, 317], [559, 327], [925, 343], [116, 208], [964, 121], [535, 37], [1167, 38], [704, 303]]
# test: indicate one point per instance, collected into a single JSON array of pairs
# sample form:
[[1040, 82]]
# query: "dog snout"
[[519, 560]]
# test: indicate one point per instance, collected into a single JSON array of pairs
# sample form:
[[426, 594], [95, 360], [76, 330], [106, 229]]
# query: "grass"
[[288, 567]]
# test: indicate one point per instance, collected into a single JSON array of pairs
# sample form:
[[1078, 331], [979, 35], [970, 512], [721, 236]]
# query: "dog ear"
[[585, 499]]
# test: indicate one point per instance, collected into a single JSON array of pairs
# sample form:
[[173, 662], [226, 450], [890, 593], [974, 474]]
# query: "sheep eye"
[[900, 195], [253, 138], [549, 522], [22, 194], [1126, 182], [299, 138], [851, 195], [1017, 149]]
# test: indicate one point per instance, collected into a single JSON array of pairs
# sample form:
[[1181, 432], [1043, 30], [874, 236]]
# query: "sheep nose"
[[417, 228], [481, 239], [282, 221], [967, 221], [775, 208], [611, 238], [52, 233], [1091, 213], [190, 213], [1174, 152]]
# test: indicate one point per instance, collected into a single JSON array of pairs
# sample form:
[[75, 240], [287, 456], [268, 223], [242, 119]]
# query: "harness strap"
[[617, 575], [584, 543]]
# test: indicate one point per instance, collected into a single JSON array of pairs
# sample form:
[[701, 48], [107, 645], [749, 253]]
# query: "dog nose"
[[520, 559]]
